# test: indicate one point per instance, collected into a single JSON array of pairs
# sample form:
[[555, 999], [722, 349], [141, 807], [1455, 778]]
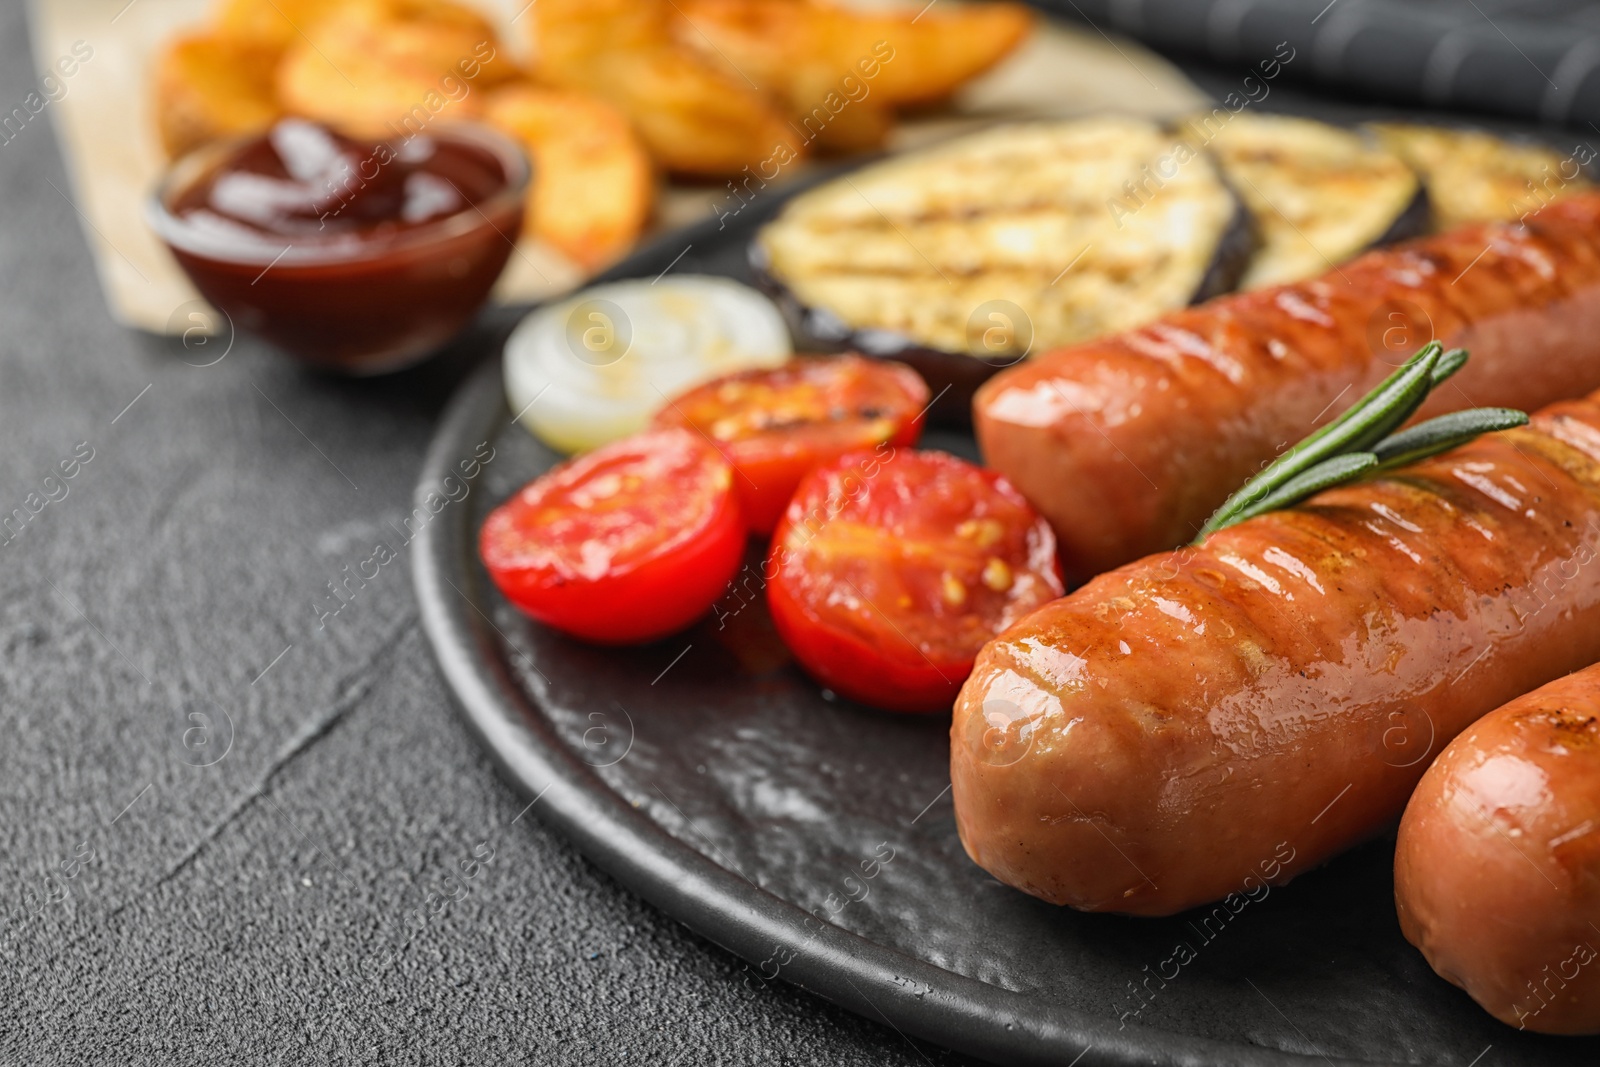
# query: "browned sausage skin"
[[1497, 869], [1177, 726], [1127, 444]]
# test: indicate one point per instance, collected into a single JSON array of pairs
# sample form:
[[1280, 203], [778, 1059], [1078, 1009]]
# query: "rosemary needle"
[[1447, 431], [1329, 472]]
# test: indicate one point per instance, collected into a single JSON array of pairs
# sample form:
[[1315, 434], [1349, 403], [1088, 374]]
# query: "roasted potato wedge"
[[696, 118], [816, 57], [1476, 177], [283, 22], [210, 85], [271, 22], [934, 54], [592, 185], [381, 68]]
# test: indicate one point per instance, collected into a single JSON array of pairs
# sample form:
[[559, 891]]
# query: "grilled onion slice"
[[595, 367]]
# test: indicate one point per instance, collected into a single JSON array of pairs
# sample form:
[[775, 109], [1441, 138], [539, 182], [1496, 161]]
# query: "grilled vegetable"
[[968, 256], [1476, 177], [892, 568], [1318, 195], [775, 425], [597, 366], [627, 544]]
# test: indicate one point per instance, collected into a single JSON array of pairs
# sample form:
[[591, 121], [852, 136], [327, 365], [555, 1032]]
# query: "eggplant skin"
[[1234, 250], [1415, 221], [1059, 231], [1319, 194]]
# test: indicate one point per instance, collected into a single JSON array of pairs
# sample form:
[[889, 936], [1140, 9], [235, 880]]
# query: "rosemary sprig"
[[1362, 440], [1366, 422]]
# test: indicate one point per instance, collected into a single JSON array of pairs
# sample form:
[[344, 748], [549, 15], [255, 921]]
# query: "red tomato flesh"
[[776, 425], [890, 570], [625, 544]]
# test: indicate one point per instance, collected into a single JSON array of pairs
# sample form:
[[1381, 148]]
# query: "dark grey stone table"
[[163, 614], [238, 828]]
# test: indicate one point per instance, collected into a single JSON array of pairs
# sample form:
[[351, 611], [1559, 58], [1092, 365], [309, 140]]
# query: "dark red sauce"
[[357, 256]]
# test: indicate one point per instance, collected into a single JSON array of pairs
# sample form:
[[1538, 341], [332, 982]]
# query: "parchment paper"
[[101, 114]]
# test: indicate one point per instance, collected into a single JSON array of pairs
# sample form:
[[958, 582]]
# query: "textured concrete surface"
[[230, 835]]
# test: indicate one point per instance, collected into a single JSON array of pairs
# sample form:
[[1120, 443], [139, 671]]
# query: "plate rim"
[[878, 982]]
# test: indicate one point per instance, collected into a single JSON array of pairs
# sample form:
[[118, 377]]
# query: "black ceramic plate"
[[815, 838]]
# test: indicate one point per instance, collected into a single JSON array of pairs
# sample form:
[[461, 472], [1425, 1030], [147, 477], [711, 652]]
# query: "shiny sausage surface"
[[1161, 735], [1127, 444], [1497, 868]]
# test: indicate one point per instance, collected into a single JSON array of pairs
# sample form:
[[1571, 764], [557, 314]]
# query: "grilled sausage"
[[1497, 870], [1127, 444], [1250, 707]]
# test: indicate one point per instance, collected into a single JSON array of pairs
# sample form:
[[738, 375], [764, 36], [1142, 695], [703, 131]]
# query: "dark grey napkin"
[[1532, 59]]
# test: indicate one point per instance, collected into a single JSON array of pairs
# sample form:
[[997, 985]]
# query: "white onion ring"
[[597, 366]]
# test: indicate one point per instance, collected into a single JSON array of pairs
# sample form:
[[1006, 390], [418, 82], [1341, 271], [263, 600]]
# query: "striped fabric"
[[1531, 59]]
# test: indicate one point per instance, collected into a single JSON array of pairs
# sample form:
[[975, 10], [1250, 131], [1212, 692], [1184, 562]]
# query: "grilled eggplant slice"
[[1474, 176], [964, 258], [1318, 194]]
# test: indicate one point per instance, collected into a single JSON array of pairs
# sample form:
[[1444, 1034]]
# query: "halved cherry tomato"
[[890, 570], [775, 425], [622, 545]]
